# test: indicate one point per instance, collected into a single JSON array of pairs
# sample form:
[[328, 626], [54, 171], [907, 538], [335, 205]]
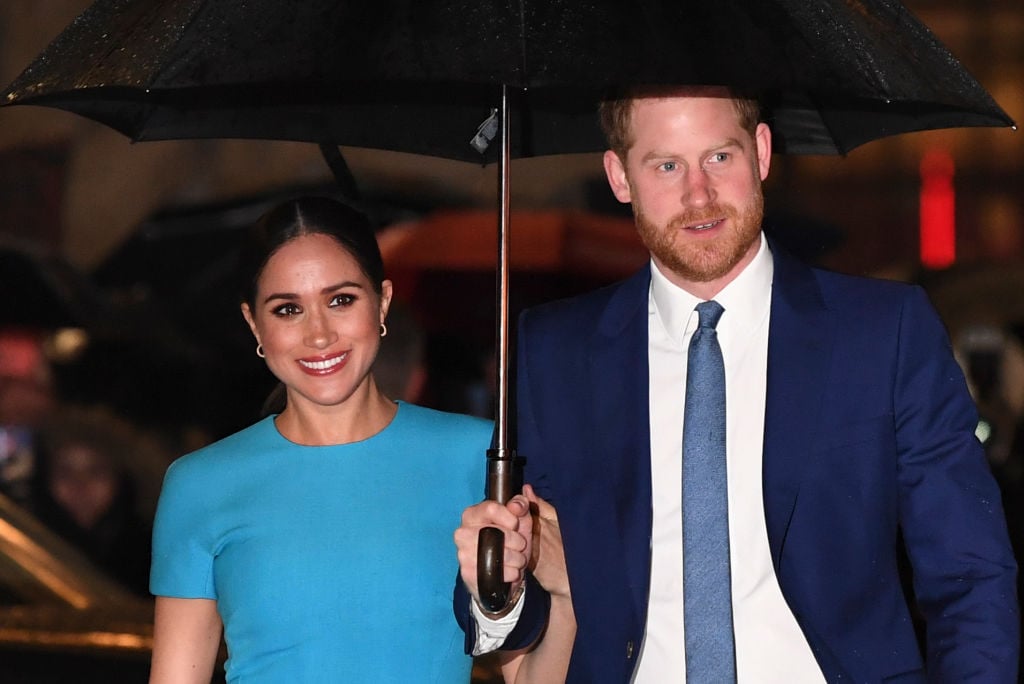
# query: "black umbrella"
[[451, 77], [422, 76]]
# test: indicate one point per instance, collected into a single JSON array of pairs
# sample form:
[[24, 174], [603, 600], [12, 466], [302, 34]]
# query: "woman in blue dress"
[[317, 540]]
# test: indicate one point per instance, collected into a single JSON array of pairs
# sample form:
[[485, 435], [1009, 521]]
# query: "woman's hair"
[[311, 216], [616, 110]]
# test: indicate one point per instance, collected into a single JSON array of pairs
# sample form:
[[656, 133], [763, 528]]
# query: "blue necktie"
[[707, 595]]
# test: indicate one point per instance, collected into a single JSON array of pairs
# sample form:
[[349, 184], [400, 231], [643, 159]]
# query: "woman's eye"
[[286, 310], [342, 299]]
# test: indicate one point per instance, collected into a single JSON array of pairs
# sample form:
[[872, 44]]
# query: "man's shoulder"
[[585, 310], [843, 290], [838, 290]]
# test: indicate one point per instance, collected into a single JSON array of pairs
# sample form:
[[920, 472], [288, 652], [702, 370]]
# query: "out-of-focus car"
[[61, 619]]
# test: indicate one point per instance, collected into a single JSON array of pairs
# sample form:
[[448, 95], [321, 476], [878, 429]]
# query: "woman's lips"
[[323, 365]]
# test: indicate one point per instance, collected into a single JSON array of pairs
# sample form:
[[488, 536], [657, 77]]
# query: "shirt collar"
[[746, 299]]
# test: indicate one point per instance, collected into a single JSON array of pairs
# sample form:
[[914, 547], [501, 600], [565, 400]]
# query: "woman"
[[318, 537], [85, 488]]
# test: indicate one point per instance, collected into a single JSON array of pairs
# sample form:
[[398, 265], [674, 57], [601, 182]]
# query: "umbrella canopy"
[[423, 76]]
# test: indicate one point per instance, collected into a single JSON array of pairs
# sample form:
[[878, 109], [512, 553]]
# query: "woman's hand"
[[547, 561]]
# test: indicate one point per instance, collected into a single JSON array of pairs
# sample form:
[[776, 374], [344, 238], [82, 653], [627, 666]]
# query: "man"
[[847, 427]]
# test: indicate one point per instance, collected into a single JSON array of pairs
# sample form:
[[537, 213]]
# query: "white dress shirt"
[[770, 646]]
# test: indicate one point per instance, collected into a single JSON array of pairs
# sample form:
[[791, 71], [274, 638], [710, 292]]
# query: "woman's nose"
[[319, 333]]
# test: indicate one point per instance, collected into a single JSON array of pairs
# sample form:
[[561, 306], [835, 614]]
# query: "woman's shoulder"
[[224, 452], [416, 417]]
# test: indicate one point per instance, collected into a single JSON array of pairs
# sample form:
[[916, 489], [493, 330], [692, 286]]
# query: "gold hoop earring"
[[259, 351], [383, 330]]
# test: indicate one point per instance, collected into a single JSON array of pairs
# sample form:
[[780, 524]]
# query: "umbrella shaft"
[[501, 346]]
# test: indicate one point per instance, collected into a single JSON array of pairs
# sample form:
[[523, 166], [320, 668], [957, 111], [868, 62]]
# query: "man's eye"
[[669, 166], [719, 157]]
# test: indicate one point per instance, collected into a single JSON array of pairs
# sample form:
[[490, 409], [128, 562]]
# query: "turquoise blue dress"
[[330, 563]]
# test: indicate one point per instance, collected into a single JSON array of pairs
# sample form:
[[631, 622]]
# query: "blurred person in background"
[[27, 398], [86, 488], [317, 539]]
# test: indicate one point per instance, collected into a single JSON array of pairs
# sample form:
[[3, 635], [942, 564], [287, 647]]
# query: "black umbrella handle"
[[504, 480]]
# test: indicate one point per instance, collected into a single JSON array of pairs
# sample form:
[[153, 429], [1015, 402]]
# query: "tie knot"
[[709, 313]]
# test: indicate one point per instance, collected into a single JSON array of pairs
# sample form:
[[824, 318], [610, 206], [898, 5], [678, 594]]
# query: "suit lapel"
[[619, 401], [799, 352]]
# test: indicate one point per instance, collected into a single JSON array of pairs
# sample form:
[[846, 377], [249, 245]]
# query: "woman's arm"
[[186, 638], [548, 660]]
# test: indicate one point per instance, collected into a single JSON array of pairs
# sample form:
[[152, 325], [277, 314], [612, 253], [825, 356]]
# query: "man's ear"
[[763, 138], [615, 171]]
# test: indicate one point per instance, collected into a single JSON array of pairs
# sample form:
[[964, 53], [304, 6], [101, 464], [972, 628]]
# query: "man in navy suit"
[[849, 434]]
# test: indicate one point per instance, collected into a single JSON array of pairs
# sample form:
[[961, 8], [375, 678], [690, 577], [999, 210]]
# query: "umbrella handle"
[[490, 565], [504, 480]]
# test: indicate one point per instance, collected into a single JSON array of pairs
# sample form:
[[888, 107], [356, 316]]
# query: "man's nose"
[[698, 190]]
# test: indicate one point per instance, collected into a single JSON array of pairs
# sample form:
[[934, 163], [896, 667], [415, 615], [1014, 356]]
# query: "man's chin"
[[702, 265]]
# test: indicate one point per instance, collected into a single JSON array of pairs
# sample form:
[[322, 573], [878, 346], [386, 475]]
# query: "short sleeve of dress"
[[182, 549]]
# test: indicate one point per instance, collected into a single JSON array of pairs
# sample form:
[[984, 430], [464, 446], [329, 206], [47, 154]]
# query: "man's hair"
[[616, 110]]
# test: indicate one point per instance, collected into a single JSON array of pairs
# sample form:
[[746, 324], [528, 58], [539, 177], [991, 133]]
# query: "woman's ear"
[[247, 315], [386, 292]]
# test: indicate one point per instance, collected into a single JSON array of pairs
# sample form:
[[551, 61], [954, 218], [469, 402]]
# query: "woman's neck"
[[361, 416]]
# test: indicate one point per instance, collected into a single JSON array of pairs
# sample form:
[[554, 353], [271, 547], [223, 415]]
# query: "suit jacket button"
[[629, 650]]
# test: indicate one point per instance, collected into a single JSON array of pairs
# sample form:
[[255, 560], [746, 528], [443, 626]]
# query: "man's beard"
[[702, 261]]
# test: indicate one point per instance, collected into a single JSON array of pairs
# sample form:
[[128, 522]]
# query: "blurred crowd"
[[89, 474]]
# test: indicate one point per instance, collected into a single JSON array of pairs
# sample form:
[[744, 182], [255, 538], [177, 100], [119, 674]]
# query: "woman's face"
[[318, 318], [84, 482]]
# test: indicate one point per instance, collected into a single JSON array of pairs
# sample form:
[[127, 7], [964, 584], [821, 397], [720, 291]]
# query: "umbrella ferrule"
[[504, 474]]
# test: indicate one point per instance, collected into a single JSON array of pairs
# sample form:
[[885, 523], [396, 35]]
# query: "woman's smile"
[[323, 365]]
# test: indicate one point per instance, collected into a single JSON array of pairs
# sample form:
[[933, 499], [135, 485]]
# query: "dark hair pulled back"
[[294, 218]]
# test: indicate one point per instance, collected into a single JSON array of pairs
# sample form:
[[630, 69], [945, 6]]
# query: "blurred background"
[[119, 315]]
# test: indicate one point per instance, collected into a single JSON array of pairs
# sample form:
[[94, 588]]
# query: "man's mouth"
[[707, 225]]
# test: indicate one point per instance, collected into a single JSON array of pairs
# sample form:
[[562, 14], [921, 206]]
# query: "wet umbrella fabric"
[[422, 76]]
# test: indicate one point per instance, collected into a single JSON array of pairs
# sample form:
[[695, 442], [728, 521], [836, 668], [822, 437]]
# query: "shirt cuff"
[[490, 633]]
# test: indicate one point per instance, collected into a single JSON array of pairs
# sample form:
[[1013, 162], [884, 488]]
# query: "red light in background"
[[938, 204]]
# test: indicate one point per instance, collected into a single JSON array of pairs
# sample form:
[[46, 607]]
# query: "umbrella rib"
[[522, 42]]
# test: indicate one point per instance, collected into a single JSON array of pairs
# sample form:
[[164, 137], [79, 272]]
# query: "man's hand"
[[515, 521]]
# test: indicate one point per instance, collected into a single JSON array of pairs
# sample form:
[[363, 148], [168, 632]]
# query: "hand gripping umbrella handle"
[[504, 479]]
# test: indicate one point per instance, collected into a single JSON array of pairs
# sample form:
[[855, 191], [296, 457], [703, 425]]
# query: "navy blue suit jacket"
[[869, 434]]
